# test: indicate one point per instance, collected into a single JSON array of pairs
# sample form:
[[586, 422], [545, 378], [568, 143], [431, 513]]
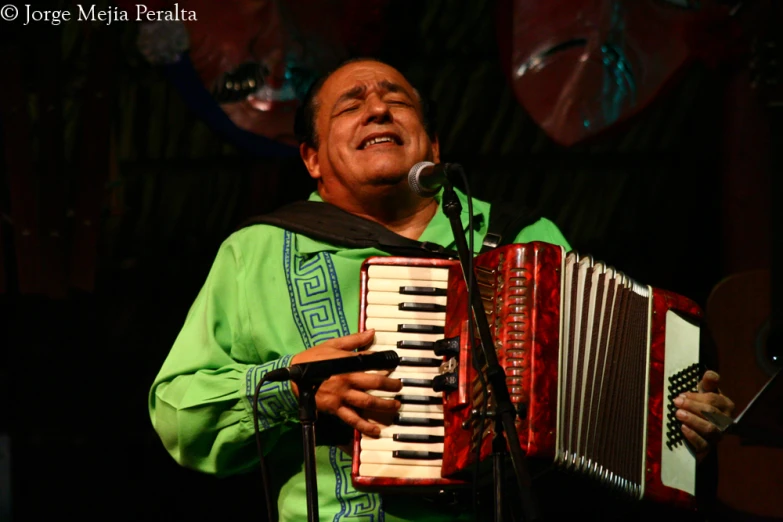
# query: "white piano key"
[[377, 347], [390, 431], [368, 443], [393, 285], [431, 410], [395, 298], [408, 272], [391, 325], [422, 372], [435, 410], [405, 352], [386, 457], [378, 311], [408, 390], [403, 472], [391, 338], [421, 415], [409, 372]]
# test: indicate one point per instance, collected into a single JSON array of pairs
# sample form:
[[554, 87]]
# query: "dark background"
[[77, 362]]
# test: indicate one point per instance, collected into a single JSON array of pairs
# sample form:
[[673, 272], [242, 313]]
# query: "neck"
[[400, 211]]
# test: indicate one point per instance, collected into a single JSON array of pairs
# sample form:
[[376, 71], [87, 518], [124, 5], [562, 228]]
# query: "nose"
[[376, 110]]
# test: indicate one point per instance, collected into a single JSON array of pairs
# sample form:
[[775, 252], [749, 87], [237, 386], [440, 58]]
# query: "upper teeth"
[[380, 139]]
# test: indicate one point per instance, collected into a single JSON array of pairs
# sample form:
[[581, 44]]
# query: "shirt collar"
[[438, 230]]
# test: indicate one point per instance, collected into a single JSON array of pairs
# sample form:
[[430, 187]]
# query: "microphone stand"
[[307, 416], [308, 378], [505, 413]]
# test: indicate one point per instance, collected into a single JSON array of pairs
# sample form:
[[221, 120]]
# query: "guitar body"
[[738, 311]]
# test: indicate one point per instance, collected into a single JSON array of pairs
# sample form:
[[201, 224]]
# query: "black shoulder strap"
[[326, 222], [506, 221]]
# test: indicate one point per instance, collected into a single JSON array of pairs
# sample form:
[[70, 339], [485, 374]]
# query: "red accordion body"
[[592, 363]]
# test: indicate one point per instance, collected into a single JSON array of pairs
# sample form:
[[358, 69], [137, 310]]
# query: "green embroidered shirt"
[[269, 295]]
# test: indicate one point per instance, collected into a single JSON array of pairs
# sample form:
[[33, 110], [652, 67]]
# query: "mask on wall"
[[580, 67], [257, 58]]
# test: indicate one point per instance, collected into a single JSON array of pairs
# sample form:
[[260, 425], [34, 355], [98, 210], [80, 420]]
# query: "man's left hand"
[[701, 433]]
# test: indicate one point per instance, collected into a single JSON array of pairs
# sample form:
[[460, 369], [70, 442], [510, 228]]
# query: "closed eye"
[[398, 101], [349, 108]]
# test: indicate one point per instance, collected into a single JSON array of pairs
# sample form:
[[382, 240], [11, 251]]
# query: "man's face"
[[370, 131]]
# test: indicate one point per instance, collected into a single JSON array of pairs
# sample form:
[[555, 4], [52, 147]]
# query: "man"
[[275, 298]]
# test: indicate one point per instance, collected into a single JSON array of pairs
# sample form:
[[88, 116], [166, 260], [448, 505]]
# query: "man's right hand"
[[342, 395]]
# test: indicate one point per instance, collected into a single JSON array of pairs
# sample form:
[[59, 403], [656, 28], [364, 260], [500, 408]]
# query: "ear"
[[435, 150], [310, 158]]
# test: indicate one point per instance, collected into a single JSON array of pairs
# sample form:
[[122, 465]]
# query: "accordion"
[[592, 359]]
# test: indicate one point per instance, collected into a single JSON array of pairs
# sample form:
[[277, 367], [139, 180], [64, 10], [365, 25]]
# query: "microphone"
[[322, 370], [426, 178]]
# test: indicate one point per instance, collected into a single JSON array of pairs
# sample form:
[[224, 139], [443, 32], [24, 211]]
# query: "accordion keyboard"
[[406, 306]]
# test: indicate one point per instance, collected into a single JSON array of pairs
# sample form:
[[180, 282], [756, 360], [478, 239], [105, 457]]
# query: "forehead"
[[361, 74]]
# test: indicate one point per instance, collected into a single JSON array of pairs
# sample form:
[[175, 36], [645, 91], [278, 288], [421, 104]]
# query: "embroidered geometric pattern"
[[318, 313], [365, 507], [315, 295], [276, 400]]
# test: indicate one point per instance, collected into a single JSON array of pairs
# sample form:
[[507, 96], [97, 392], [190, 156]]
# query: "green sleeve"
[[543, 230], [201, 401]]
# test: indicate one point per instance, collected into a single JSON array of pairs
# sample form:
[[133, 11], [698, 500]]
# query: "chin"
[[386, 173], [388, 179]]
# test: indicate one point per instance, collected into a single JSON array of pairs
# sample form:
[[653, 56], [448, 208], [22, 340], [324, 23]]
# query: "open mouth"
[[379, 139]]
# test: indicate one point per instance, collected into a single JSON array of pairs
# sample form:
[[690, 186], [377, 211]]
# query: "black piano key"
[[421, 307], [417, 437], [422, 290], [418, 455], [416, 345], [416, 383], [419, 399], [420, 328], [420, 362], [402, 420]]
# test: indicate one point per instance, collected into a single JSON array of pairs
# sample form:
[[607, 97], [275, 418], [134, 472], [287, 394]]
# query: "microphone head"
[[413, 179]]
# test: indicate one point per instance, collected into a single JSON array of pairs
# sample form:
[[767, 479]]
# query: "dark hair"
[[304, 121]]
